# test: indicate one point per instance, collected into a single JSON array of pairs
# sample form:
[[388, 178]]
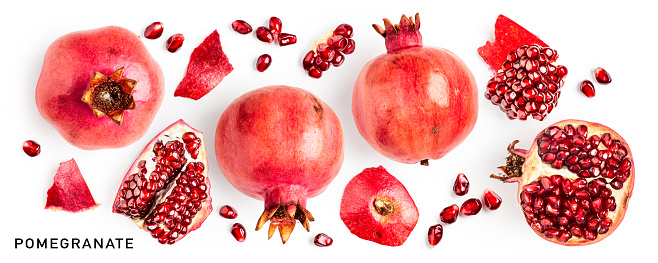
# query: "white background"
[[619, 36]]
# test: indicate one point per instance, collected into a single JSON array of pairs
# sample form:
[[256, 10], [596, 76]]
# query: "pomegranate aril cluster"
[[330, 51], [562, 208], [587, 156], [528, 85]]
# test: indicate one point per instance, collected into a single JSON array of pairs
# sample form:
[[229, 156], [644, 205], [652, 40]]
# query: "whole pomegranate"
[[414, 103], [282, 145], [99, 88], [574, 182]]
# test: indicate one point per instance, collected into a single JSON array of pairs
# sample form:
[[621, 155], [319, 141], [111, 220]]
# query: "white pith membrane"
[[199, 207], [534, 168]]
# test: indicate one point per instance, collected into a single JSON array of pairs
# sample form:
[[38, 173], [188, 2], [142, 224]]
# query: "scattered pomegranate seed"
[[587, 88], [263, 62], [228, 211], [471, 207], [461, 185], [323, 240], [602, 76], [31, 148], [241, 27], [175, 42], [449, 214], [344, 30], [154, 30], [238, 232], [287, 39], [491, 200], [264, 34], [275, 25], [435, 234]]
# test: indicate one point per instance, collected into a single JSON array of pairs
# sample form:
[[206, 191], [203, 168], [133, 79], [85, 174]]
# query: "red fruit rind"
[[377, 207], [508, 36], [207, 68], [69, 191]]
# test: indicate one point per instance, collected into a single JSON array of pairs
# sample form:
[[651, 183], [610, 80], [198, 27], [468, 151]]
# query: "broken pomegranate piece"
[[69, 191], [208, 66], [166, 191]]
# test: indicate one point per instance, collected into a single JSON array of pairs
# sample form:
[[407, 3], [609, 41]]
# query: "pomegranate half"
[[574, 182], [415, 102], [99, 88], [282, 145]]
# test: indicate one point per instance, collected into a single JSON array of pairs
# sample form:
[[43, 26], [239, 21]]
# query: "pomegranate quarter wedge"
[[574, 182], [166, 191]]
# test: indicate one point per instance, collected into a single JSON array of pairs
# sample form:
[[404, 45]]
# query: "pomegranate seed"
[[449, 214], [435, 234], [491, 200], [337, 42], [264, 34], [314, 72], [287, 39], [325, 52], [322, 240], [602, 76], [461, 185], [238, 232], [307, 62], [263, 62], [31, 148], [241, 27], [175, 42], [587, 88], [471, 207], [228, 211], [344, 30], [275, 25], [349, 49], [153, 30], [338, 60]]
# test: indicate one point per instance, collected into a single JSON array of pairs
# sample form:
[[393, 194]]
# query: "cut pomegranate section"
[[330, 49], [166, 191], [69, 191], [207, 68], [31, 148]]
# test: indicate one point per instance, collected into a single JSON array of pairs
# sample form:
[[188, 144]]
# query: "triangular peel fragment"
[[69, 191]]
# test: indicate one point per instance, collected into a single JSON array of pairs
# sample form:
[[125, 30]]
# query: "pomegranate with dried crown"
[[99, 88], [415, 102], [574, 182], [281, 145]]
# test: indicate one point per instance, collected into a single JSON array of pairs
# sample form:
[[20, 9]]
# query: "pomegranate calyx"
[[513, 168], [403, 35], [110, 95], [282, 217]]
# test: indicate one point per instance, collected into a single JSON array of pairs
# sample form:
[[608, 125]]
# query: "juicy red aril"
[[153, 30], [31, 148], [322, 240], [471, 207], [349, 49], [263, 62], [602, 76], [192, 144], [275, 25], [314, 72], [175, 42], [228, 212], [325, 52], [307, 62], [241, 27], [344, 30], [587, 88], [338, 60], [286, 39], [435, 234], [461, 185], [491, 200], [337, 42], [264, 34], [449, 214], [238, 232]]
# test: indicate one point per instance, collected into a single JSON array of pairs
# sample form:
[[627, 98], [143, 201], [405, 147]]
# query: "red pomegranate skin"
[[415, 103], [279, 144], [67, 69]]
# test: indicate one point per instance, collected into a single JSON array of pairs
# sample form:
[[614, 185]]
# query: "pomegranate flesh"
[[99, 88], [69, 191], [414, 103], [166, 191], [282, 145], [377, 207], [574, 182]]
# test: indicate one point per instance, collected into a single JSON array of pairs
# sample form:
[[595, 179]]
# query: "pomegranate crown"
[[403, 35]]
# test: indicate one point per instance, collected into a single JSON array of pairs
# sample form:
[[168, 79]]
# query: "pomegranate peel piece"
[[508, 36], [69, 191], [207, 68]]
